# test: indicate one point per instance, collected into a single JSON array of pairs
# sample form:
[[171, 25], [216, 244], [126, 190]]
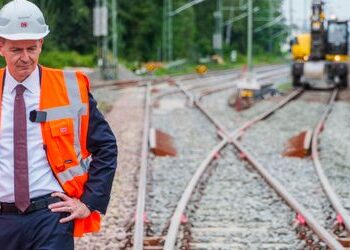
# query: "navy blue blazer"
[[101, 143]]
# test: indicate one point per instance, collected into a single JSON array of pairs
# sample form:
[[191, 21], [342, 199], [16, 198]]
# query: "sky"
[[341, 8]]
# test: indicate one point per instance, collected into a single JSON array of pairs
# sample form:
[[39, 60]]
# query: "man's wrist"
[[91, 209]]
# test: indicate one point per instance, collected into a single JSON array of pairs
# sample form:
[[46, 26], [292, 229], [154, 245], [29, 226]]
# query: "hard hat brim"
[[29, 36]]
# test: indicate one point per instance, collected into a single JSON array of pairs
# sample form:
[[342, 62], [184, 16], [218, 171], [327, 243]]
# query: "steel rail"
[[236, 76], [176, 218], [311, 221], [260, 68], [139, 220], [140, 208], [181, 206], [141, 82], [333, 197], [197, 86], [269, 112], [217, 124], [282, 191], [215, 90], [222, 130], [225, 87]]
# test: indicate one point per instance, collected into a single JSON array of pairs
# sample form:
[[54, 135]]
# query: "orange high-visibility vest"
[[64, 117]]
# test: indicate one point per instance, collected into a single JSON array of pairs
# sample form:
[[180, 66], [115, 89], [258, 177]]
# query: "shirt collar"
[[31, 82]]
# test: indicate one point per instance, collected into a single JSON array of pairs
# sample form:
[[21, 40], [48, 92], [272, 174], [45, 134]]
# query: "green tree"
[[204, 27], [262, 39], [140, 24], [70, 23], [183, 31], [140, 29]]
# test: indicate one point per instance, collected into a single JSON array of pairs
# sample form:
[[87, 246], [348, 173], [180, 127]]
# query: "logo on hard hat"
[[24, 24]]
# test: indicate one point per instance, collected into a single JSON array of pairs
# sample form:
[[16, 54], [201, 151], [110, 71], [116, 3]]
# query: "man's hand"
[[76, 208]]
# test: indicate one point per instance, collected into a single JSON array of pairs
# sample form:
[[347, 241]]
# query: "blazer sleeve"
[[101, 143]]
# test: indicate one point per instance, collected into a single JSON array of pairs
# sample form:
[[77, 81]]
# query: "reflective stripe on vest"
[[63, 112], [72, 86], [70, 173], [74, 171]]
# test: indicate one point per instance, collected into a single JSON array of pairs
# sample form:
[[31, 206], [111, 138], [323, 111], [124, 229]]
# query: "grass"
[[61, 59], [190, 67], [285, 87]]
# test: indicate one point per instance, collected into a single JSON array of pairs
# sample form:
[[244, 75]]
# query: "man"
[[57, 153]]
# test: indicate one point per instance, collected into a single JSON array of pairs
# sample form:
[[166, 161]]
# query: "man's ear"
[[41, 42]]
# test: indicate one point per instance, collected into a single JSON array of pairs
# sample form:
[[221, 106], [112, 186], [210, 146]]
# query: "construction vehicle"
[[301, 47], [320, 57]]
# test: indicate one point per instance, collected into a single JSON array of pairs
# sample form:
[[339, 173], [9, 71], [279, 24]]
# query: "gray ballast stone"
[[266, 141]]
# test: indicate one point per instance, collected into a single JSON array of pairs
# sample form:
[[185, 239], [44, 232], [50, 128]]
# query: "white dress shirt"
[[41, 179]]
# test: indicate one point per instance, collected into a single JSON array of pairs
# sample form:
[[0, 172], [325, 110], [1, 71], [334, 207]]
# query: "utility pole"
[[250, 37], [250, 82], [271, 14], [105, 45], [167, 33], [100, 30], [115, 37], [305, 19], [291, 21], [97, 33], [217, 37], [170, 31], [164, 31], [229, 26]]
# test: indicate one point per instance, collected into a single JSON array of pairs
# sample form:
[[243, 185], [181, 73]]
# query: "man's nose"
[[25, 55]]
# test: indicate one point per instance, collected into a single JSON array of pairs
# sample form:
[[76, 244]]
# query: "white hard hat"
[[22, 20]]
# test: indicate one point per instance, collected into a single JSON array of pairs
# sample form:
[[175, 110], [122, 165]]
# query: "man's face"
[[21, 56]]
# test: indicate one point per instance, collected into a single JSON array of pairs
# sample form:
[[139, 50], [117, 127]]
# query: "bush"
[[60, 59]]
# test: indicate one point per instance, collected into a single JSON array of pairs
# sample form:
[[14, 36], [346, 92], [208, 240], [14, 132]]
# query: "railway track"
[[224, 81], [240, 213], [298, 176], [327, 239], [189, 125], [190, 78], [310, 240], [335, 158], [331, 194]]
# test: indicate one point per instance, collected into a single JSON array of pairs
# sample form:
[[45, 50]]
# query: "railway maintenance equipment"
[[320, 57]]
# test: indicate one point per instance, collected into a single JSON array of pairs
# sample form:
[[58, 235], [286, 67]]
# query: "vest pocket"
[[62, 133]]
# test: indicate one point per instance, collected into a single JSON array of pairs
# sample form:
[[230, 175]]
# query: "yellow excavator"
[[321, 56]]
